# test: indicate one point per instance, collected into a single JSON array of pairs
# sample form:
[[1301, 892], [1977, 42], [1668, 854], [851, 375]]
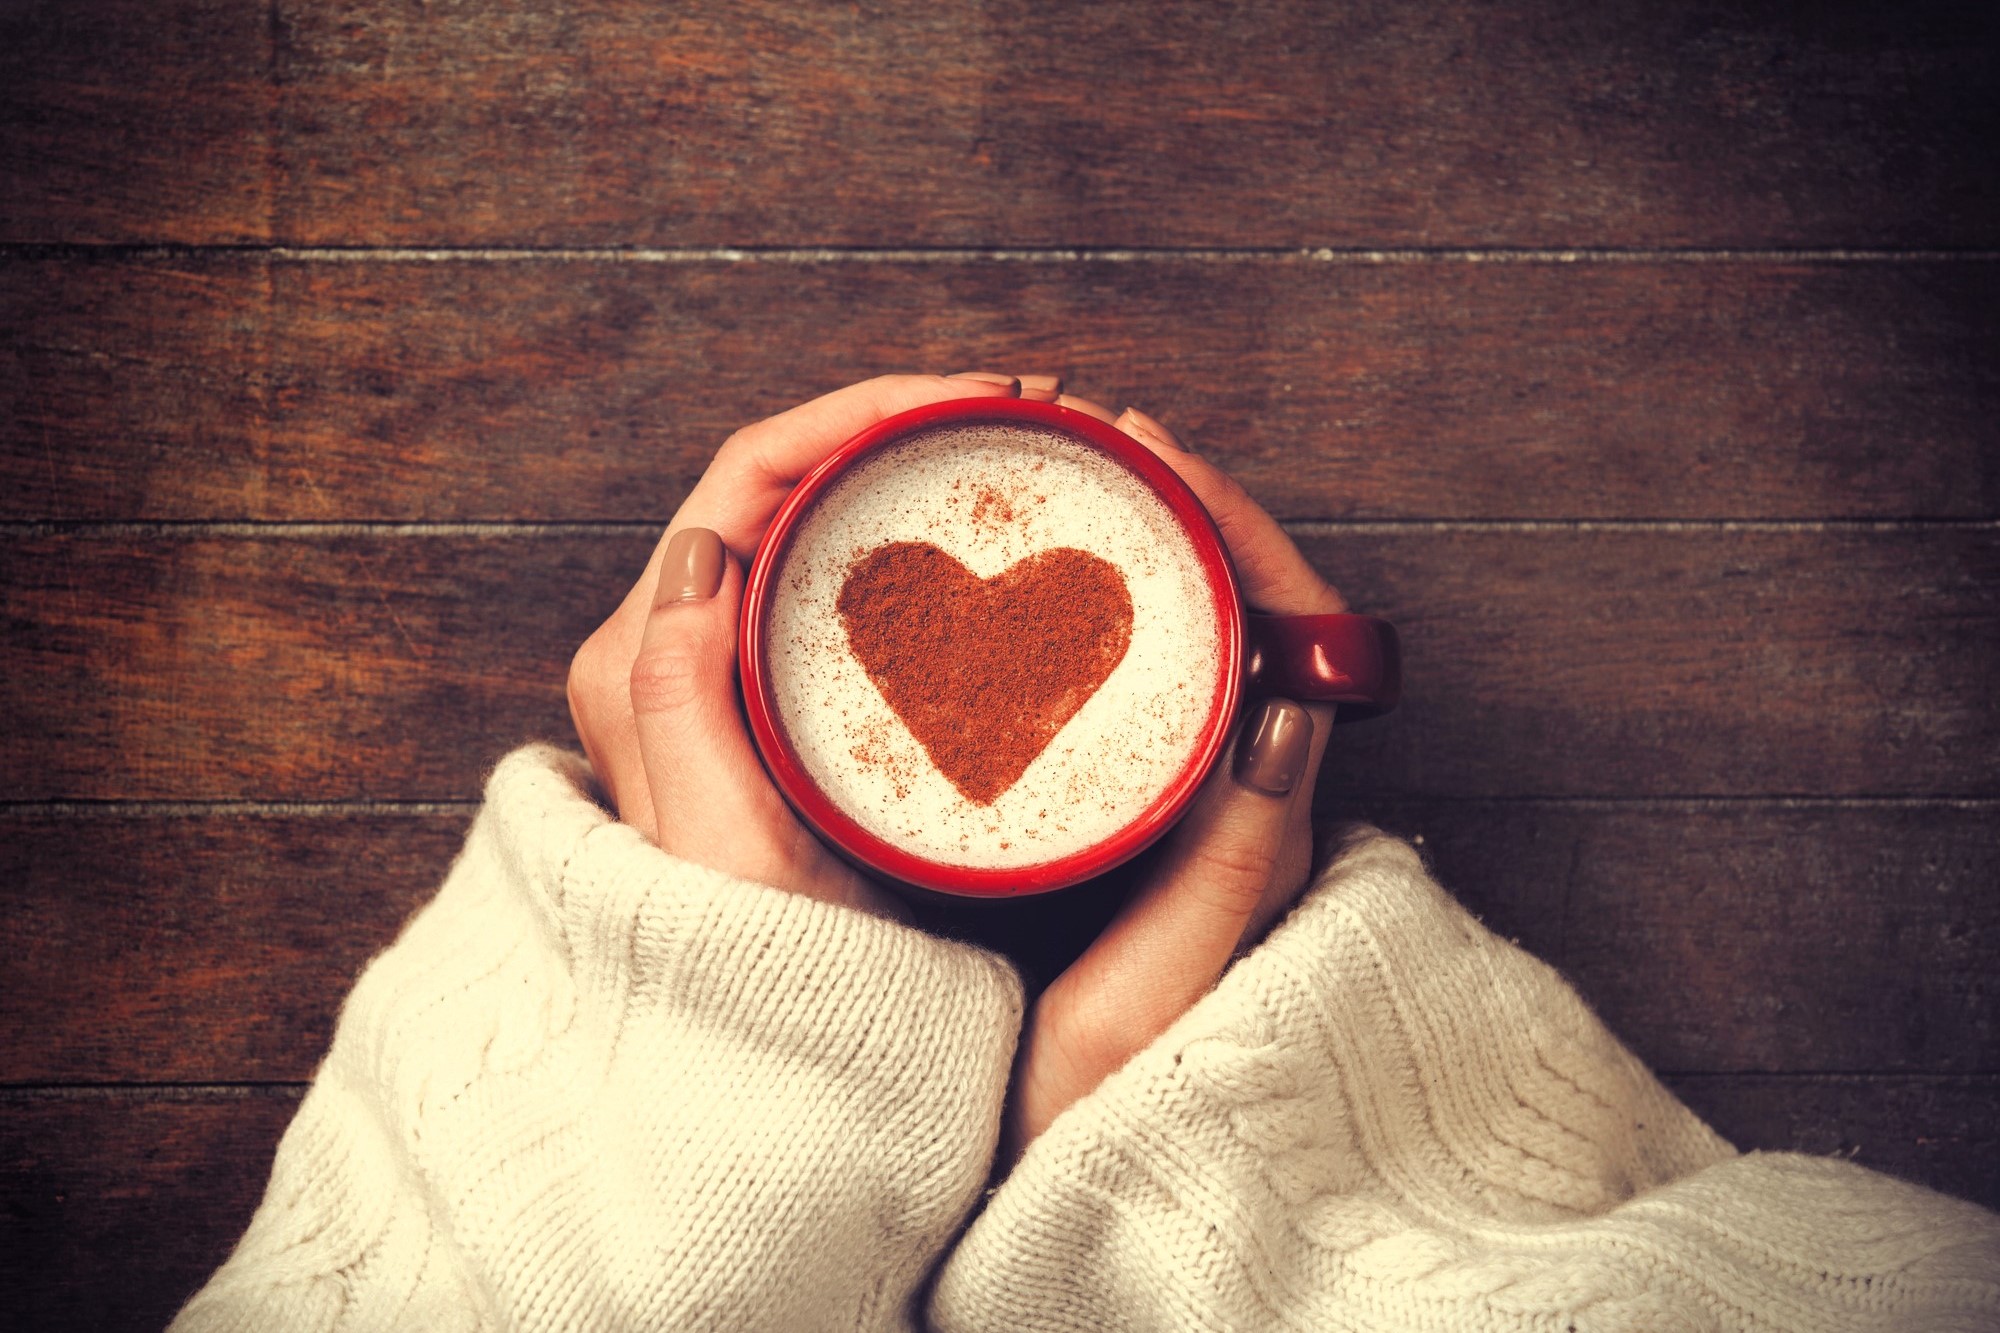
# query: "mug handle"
[[1353, 661]]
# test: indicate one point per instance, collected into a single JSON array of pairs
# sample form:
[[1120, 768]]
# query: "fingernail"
[[988, 377], [1272, 754], [1041, 388], [691, 570], [1149, 427], [1085, 406]]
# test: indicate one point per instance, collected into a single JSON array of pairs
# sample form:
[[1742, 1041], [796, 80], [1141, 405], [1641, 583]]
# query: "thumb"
[[1212, 885], [708, 790]]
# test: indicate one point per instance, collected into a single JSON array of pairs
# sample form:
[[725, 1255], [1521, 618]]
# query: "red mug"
[[1352, 661]]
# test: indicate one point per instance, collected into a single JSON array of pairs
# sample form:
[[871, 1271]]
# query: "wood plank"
[[1692, 661], [1809, 937], [116, 1204], [1540, 662], [1943, 1133], [126, 120], [196, 948], [900, 123], [323, 667], [1761, 937], [133, 389], [1278, 124], [166, 1181], [241, 388]]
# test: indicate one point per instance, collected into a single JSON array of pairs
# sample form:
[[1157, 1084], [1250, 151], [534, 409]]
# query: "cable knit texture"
[[593, 1087], [1386, 1118]]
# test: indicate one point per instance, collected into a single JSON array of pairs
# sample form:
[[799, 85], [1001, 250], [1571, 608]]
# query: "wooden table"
[[1638, 359]]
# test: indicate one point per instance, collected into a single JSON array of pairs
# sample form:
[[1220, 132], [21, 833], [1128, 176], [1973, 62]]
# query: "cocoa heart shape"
[[985, 672]]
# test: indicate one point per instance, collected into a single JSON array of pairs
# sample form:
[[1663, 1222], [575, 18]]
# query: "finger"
[[1009, 382], [1295, 857], [1276, 575], [1088, 408], [710, 800], [1041, 388], [1169, 944], [758, 466]]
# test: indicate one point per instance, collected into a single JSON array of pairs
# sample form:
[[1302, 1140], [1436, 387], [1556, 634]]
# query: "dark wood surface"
[[244, 387], [1641, 361], [1278, 123]]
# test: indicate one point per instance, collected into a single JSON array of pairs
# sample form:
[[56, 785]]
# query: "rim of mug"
[[877, 855]]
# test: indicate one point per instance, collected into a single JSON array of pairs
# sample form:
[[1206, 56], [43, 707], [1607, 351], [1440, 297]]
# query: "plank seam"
[[67, 1091], [1835, 1075], [227, 809], [131, 808], [282, 529], [1029, 255], [27, 1092]]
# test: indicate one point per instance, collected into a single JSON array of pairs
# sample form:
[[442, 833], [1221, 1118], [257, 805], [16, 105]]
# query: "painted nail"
[[1153, 429], [1085, 406], [691, 570], [1272, 754], [988, 377], [1041, 388]]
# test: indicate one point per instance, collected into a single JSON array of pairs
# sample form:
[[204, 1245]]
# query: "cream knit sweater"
[[594, 1087]]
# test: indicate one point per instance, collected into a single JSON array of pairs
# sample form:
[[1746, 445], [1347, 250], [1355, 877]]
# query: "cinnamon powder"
[[984, 672]]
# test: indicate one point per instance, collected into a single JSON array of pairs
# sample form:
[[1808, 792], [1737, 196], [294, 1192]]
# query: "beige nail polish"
[[987, 377], [1085, 406], [1276, 742], [691, 570], [1153, 429], [1041, 388]]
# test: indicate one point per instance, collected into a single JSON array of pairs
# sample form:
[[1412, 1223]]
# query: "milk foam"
[[990, 496]]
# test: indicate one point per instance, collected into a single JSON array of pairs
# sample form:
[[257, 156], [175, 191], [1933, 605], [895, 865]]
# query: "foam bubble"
[[990, 496]]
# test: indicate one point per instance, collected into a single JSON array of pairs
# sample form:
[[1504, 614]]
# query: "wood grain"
[[125, 120], [324, 667], [233, 387], [1173, 124], [1767, 936], [197, 948], [166, 1180], [121, 1202], [1699, 661], [1760, 937], [897, 123], [1939, 1132], [1540, 662]]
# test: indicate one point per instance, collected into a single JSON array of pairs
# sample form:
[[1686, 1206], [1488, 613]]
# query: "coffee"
[[992, 645]]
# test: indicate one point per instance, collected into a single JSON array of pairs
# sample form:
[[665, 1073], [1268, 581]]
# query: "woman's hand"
[[653, 691], [1230, 867]]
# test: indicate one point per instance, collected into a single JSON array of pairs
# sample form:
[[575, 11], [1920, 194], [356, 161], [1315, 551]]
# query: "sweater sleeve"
[[595, 1087], [1386, 1118]]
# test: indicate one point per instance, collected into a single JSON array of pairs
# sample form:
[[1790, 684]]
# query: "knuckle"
[[586, 684], [670, 676], [1235, 867]]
